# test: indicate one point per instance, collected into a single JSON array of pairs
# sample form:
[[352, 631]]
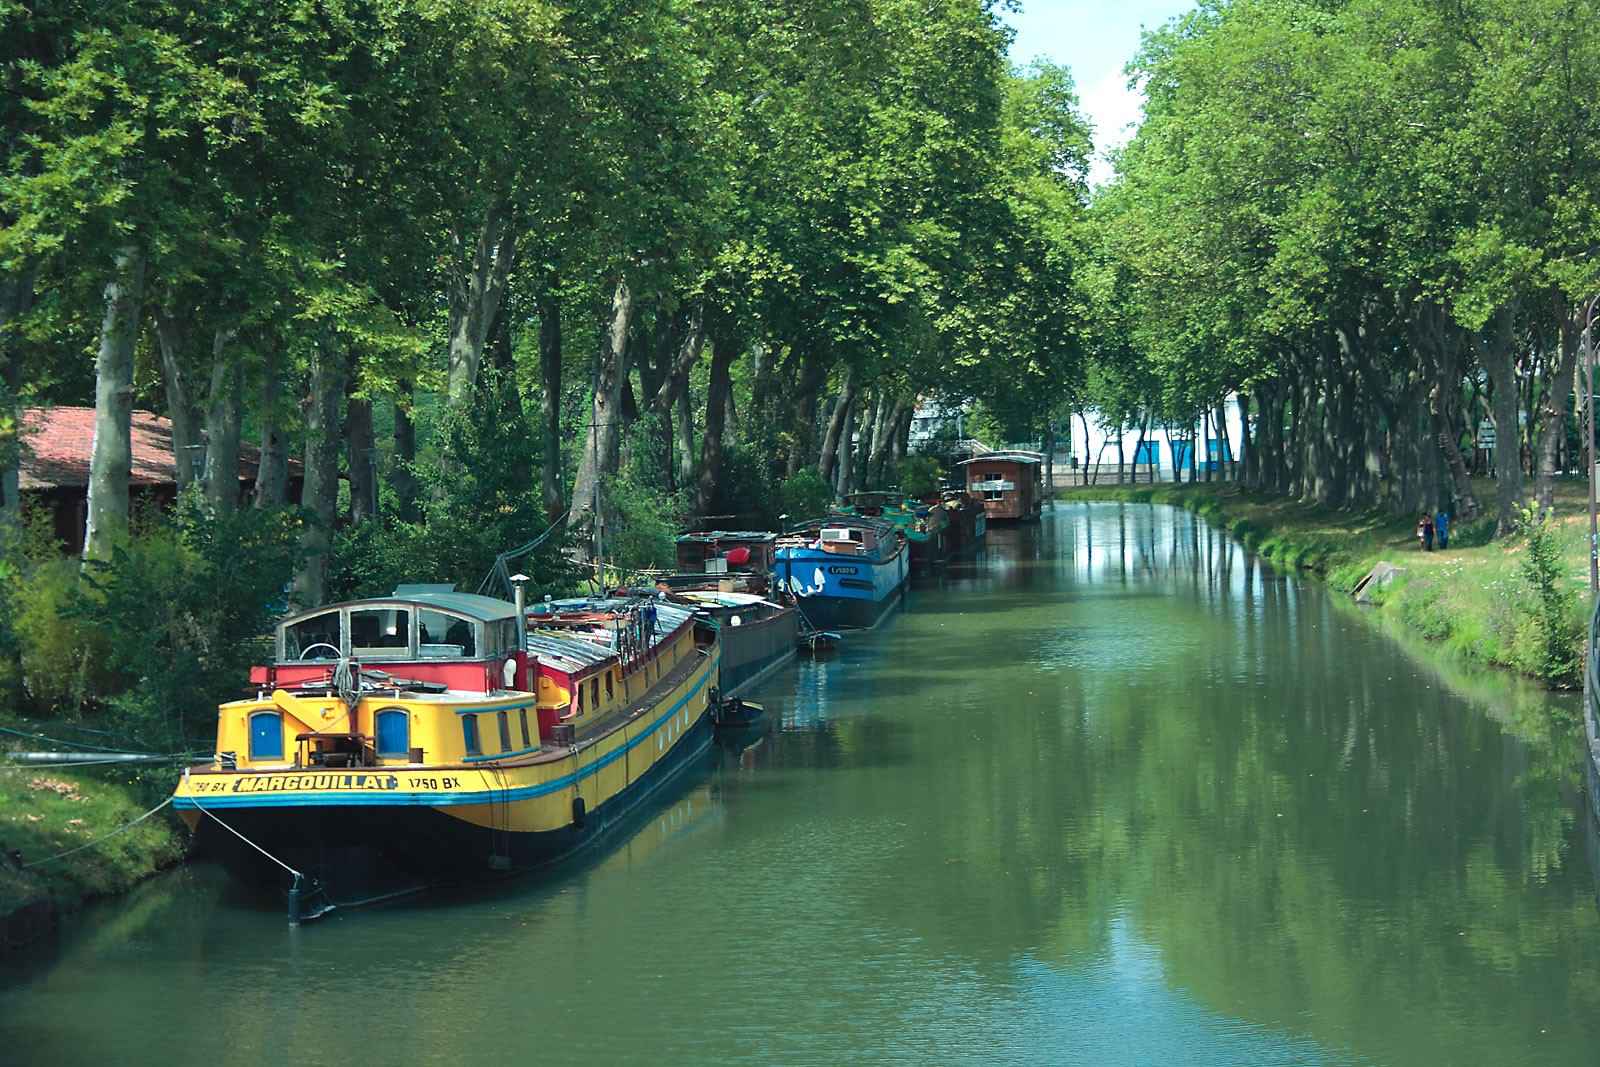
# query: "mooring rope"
[[247, 841], [103, 837]]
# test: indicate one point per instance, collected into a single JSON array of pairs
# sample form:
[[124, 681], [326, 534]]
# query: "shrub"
[[805, 494], [183, 610], [641, 525], [1548, 632], [919, 476]]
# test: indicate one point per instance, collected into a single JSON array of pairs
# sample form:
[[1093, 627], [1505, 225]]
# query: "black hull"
[[935, 552], [848, 613], [752, 651], [357, 853]]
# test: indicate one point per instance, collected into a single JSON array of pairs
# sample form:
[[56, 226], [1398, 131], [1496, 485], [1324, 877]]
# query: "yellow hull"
[[503, 812]]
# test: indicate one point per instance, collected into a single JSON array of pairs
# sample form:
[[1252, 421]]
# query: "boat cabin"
[[432, 633], [1010, 485], [845, 535], [725, 552]]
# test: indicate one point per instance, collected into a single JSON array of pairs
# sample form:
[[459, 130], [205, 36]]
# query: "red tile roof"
[[57, 443]]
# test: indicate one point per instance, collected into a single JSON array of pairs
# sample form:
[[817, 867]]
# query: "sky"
[[1094, 40]]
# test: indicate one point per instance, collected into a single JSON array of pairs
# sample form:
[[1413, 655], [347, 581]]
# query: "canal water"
[[1114, 793]]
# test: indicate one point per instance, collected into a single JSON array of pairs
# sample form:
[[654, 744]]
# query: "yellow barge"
[[433, 735]]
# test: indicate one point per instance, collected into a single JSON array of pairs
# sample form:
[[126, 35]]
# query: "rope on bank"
[[102, 837]]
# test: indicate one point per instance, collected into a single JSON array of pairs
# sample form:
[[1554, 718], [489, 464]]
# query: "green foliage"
[[804, 494], [642, 525], [478, 498], [1550, 629], [183, 610], [149, 640], [919, 476], [745, 491]]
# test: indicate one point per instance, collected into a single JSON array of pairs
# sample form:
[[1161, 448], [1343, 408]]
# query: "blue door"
[[394, 733], [266, 735]]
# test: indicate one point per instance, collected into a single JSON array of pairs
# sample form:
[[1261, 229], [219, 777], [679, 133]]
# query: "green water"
[[1111, 794]]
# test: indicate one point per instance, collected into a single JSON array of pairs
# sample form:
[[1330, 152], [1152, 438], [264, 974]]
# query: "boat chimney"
[[519, 597]]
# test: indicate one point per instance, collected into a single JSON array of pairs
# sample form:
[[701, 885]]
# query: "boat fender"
[[579, 811]]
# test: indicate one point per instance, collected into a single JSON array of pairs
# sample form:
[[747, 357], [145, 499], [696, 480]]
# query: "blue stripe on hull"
[[358, 850]]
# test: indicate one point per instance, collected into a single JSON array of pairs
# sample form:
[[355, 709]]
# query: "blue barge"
[[845, 571]]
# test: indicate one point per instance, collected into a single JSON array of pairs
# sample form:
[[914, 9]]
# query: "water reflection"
[[1112, 793]]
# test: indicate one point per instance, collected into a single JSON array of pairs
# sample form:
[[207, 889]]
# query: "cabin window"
[[610, 692], [441, 636], [314, 638], [594, 692], [383, 632], [579, 710], [266, 735], [394, 732], [508, 630], [505, 732], [527, 742], [469, 734]]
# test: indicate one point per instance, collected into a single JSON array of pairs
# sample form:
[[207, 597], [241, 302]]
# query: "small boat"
[[845, 570], [432, 736], [733, 713], [1010, 485], [968, 523]]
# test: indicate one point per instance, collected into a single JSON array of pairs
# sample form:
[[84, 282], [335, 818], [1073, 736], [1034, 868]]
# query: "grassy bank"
[[48, 810], [1473, 598]]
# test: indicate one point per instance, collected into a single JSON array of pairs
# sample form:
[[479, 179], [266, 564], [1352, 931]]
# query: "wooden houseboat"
[[432, 735], [1010, 485], [846, 570]]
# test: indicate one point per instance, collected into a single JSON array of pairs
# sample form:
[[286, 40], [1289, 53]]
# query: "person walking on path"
[[1441, 528], [1425, 532]]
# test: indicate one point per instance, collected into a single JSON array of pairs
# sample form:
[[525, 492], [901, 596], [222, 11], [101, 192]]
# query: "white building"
[[1165, 449]]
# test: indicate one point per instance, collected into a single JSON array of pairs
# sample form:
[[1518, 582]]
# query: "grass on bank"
[[1476, 597], [48, 810]]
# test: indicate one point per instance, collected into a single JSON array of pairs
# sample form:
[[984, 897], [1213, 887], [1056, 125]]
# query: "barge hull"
[[359, 851]]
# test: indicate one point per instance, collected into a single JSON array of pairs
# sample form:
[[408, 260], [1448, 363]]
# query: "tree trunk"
[[222, 424], [320, 494], [1050, 459], [476, 285], [1500, 362], [611, 367], [724, 347], [361, 459], [684, 428], [1552, 420], [16, 298], [831, 438], [272, 467], [402, 474], [847, 451], [550, 403], [1248, 465], [111, 456], [171, 341], [813, 373]]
